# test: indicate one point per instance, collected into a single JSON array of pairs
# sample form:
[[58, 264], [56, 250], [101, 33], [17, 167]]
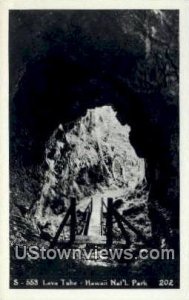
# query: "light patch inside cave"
[[92, 160]]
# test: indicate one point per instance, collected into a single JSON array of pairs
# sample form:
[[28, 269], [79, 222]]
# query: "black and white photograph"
[[94, 149]]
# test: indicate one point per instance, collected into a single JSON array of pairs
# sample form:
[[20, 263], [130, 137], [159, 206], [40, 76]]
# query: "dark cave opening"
[[78, 67]]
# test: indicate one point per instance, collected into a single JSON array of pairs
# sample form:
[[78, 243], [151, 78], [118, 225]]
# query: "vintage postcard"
[[94, 107]]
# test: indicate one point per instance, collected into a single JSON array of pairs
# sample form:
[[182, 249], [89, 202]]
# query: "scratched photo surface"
[[94, 148]]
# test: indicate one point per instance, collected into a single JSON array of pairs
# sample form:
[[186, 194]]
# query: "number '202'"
[[166, 282]]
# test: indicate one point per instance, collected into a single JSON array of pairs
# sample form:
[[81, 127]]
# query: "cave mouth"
[[92, 160]]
